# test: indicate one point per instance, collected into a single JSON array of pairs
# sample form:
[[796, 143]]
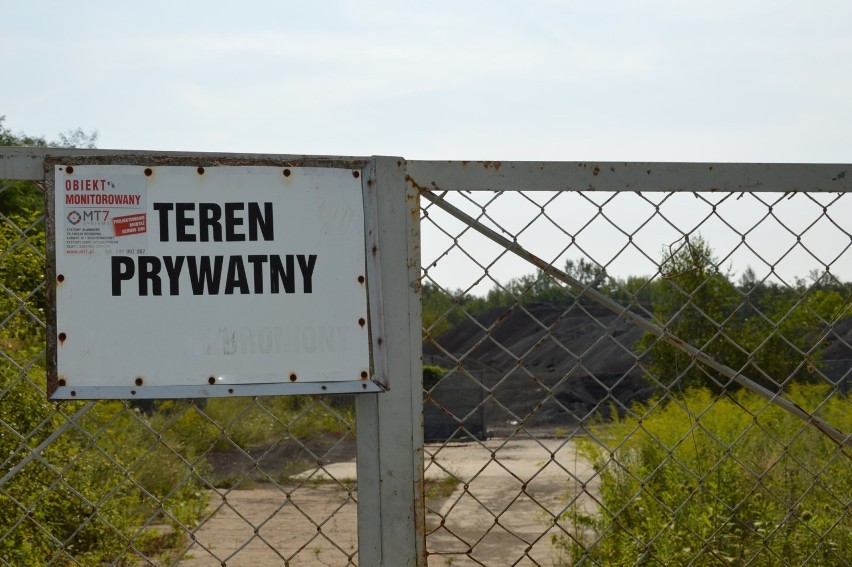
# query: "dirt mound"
[[551, 365], [840, 342], [544, 364]]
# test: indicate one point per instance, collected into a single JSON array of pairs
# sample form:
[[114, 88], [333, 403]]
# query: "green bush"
[[223, 423], [715, 480], [94, 490], [118, 481]]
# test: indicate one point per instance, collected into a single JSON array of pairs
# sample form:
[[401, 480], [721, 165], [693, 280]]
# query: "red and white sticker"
[[130, 224]]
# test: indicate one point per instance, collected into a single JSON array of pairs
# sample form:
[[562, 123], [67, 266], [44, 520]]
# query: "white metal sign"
[[179, 281]]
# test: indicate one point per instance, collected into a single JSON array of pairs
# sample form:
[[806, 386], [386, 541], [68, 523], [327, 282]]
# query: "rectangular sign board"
[[186, 281]]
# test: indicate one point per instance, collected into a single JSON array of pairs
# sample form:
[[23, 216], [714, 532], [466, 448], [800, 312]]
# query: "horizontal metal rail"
[[629, 176], [26, 163]]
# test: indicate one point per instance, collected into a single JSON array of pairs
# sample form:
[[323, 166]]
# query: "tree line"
[[771, 331]]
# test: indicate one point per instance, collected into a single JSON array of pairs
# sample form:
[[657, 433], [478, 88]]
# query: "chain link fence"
[[609, 378], [663, 375], [189, 482]]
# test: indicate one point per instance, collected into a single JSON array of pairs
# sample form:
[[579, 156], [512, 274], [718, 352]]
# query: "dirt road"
[[500, 513], [503, 511]]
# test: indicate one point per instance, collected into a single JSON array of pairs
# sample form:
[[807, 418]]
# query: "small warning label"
[[104, 216], [129, 224]]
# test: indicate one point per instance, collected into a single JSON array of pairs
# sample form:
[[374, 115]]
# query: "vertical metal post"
[[390, 424]]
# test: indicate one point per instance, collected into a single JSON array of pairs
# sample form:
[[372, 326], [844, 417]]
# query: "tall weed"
[[708, 479]]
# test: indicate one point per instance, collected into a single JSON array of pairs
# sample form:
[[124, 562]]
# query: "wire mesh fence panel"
[[663, 377], [246, 481], [610, 377]]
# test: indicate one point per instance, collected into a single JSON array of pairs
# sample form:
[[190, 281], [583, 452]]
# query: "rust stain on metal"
[[362, 321], [62, 337], [364, 375], [148, 172], [60, 278], [502, 318], [495, 164], [61, 382], [414, 185], [596, 171]]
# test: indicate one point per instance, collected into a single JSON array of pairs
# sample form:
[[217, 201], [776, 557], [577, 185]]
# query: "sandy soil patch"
[[500, 513]]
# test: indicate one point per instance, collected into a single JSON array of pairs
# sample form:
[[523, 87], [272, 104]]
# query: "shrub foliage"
[[707, 479]]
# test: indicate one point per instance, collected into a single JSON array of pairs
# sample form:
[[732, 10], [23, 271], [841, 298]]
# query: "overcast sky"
[[654, 80], [759, 81]]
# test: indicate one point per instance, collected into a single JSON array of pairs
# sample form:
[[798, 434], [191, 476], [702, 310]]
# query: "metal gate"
[[664, 350], [256, 480], [660, 353]]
